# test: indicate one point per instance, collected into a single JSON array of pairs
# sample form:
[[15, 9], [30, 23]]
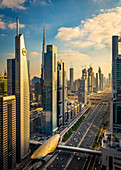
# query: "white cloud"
[[13, 4], [34, 53], [73, 56], [13, 25], [99, 46], [11, 54], [68, 33], [42, 2], [2, 24], [3, 35], [94, 31]]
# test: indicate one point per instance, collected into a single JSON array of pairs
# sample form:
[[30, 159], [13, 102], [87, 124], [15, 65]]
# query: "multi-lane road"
[[83, 137]]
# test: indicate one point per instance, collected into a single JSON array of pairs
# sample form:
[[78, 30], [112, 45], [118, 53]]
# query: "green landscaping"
[[88, 110], [77, 124], [75, 127], [66, 136]]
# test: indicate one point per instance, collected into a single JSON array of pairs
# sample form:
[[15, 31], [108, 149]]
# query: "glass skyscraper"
[[115, 111], [18, 84], [50, 86], [7, 132]]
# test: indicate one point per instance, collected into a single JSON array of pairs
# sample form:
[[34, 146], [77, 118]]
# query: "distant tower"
[[84, 74], [18, 84], [43, 51], [90, 79], [100, 78], [5, 74], [71, 77]]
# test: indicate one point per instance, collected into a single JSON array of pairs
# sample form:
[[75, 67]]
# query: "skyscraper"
[[115, 110], [82, 90], [61, 94], [3, 85], [50, 85], [97, 81], [100, 77], [7, 132], [18, 84], [43, 51], [90, 79], [84, 74], [71, 77]]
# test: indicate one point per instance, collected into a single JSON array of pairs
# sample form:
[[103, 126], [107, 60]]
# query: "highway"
[[83, 137]]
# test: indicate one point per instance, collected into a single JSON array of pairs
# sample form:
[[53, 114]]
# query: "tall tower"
[[18, 84], [90, 79], [50, 86], [43, 51], [61, 94], [100, 77], [7, 132], [115, 109], [71, 77]]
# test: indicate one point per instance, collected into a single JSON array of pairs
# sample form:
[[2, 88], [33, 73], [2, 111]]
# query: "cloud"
[[42, 2], [34, 54], [96, 31], [13, 4], [13, 25], [99, 46], [73, 56], [3, 35], [68, 33], [11, 54], [2, 24]]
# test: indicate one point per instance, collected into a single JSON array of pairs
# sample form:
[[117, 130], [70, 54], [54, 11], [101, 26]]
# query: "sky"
[[82, 30]]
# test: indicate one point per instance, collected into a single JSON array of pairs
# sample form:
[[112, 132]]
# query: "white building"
[[18, 83]]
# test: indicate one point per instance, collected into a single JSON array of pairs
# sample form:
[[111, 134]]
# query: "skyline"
[[63, 28]]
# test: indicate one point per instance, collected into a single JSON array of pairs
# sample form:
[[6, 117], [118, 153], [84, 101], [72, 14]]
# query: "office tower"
[[97, 81], [115, 109], [3, 85], [90, 79], [61, 94], [5, 74], [7, 132], [94, 79], [18, 84], [28, 66], [38, 91], [43, 51], [71, 78], [82, 90], [101, 81], [50, 85], [100, 77], [84, 74], [109, 79]]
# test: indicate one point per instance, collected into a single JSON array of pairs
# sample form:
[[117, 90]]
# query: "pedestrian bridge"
[[76, 149]]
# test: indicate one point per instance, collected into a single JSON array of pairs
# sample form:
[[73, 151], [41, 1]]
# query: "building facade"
[[3, 85], [82, 90], [71, 78], [18, 84], [90, 79], [50, 85], [115, 109], [61, 94], [7, 132]]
